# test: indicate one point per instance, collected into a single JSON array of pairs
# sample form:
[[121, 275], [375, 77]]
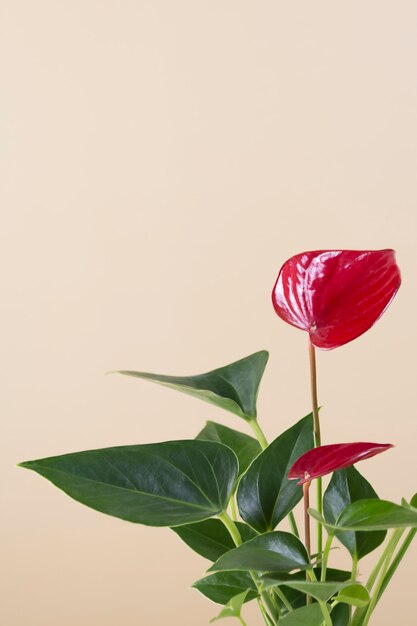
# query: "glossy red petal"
[[326, 459], [336, 295]]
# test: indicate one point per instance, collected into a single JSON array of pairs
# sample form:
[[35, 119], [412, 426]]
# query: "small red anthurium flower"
[[336, 295], [326, 459]]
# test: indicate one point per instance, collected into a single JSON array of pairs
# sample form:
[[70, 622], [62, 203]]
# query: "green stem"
[[266, 618], [231, 527], [326, 557], [233, 508], [242, 621], [317, 438], [322, 604], [397, 560], [259, 433], [355, 561], [395, 538], [374, 574], [237, 539], [263, 442], [281, 595], [361, 612]]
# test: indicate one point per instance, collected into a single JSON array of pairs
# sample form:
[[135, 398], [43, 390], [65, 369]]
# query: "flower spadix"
[[327, 459], [336, 295]]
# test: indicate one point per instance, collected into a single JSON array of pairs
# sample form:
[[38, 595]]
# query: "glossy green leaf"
[[233, 608], [318, 590], [310, 615], [211, 538], [223, 586], [340, 615], [265, 495], [354, 594], [298, 598], [347, 486], [371, 515], [233, 387], [159, 484], [272, 552], [245, 447]]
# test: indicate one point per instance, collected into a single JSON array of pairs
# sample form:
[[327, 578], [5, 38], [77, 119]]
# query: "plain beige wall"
[[161, 159]]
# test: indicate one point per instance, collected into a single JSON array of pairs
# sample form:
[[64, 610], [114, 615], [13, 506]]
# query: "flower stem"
[[317, 437], [263, 442], [307, 537]]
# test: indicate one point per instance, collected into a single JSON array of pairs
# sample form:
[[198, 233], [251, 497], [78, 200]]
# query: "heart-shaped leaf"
[[233, 607], [354, 594], [159, 484], [245, 447], [310, 615], [371, 515], [318, 590], [211, 538], [272, 552], [223, 586], [265, 495], [347, 486], [233, 387]]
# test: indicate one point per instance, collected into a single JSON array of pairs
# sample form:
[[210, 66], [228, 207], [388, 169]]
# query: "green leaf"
[[412, 503], [245, 447], [310, 615], [298, 599], [318, 590], [354, 594], [340, 615], [223, 586], [233, 387], [233, 607], [265, 495], [276, 551], [371, 515], [347, 486], [211, 538], [158, 484]]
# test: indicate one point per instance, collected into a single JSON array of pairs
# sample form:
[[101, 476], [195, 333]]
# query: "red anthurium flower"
[[336, 295], [326, 459]]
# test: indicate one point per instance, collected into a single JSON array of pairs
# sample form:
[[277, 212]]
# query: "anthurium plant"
[[225, 493]]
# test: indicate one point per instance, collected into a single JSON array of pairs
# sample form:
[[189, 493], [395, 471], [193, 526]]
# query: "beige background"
[[161, 159]]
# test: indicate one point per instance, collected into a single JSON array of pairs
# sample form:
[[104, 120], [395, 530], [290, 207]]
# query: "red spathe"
[[336, 295], [326, 459]]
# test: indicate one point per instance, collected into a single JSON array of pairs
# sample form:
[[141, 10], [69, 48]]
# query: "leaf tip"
[[25, 464]]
